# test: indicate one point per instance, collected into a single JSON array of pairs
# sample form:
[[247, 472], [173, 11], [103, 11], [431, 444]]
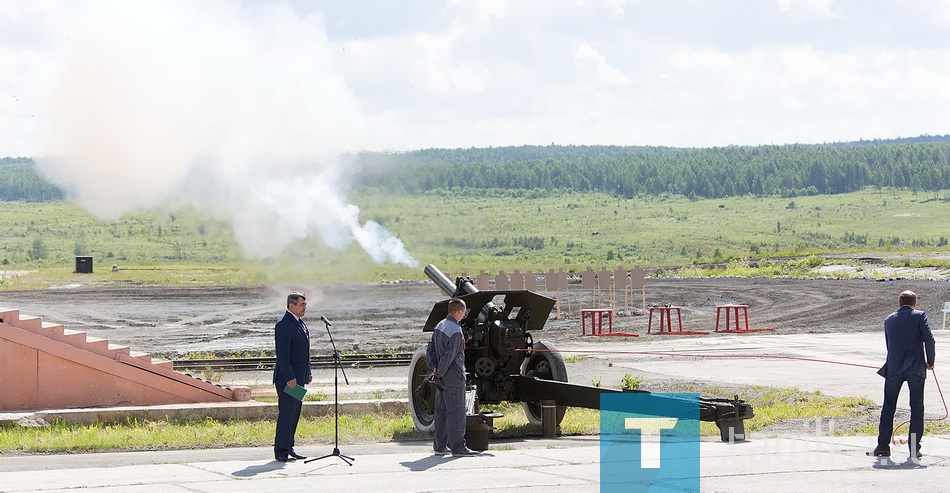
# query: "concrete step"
[[146, 357], [9, 315], [117, 348], [96, 345], [29, 323], [71, 337]]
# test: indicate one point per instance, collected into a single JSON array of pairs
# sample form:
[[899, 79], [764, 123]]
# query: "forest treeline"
[[19, 180], [919, 164]]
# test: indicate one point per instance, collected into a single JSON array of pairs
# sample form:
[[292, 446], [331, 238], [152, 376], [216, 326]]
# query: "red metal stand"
[[734, 310], [666, 313], [597, 323]]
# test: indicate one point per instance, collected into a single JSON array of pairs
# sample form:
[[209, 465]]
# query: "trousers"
[[450, 418], [892, 389], [288, 414]]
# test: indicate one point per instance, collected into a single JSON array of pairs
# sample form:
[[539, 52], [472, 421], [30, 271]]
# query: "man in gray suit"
[[910, 353]]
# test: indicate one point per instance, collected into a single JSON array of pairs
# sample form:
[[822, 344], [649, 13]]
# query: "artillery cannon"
[[503, 362]]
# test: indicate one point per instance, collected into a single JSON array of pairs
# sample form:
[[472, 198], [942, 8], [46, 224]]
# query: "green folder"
[[296, 392]]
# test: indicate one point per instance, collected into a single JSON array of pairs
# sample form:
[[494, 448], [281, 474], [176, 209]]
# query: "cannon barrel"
[[446, 284]]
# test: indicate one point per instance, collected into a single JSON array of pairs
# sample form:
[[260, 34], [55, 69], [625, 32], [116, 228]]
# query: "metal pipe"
[[440, 279], [446, 284]]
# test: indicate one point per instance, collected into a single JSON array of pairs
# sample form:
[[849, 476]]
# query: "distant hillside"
[[19, 180], [923, 139], [919, 164]]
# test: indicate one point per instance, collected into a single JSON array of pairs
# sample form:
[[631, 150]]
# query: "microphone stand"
[[336, 403]]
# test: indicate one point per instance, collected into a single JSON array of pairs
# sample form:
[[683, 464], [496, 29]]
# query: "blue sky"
[[404, 75]]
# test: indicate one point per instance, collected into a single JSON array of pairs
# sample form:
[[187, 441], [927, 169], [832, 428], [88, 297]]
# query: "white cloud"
[[482, 12], [409, 64], [587, 57], [941, 12], [439, 68], [807, 8], [617, 8]]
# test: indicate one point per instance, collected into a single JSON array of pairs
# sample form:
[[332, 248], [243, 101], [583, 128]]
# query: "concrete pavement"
[[561, 465]]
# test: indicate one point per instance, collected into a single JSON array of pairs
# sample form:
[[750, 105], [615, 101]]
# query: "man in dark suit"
[[910, 353], [292, 339]]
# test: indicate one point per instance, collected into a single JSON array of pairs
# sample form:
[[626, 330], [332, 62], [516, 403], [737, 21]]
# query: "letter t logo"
[[649, 438]]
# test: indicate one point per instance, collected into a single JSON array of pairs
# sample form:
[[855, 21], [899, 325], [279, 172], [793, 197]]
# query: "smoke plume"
[[237, 110]]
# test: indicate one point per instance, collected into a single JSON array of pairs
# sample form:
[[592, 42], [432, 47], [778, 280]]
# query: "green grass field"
[[464, 232]]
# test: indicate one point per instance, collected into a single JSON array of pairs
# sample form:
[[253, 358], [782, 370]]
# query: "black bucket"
[[478, 427]]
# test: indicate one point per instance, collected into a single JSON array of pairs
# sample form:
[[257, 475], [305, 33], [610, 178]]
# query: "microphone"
[[326, 321]]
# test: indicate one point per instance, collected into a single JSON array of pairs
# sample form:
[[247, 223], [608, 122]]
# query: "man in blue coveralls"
[[445, 356]]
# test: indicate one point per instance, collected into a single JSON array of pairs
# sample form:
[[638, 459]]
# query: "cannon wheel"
[[421, 409], [546, 363]]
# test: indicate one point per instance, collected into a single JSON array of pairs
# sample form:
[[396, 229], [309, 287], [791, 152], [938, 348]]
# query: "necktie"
[[305, 329]]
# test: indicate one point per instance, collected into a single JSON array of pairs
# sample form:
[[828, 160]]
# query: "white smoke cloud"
[[239, 111]]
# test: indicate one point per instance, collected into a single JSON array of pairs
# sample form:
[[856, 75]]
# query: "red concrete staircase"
[[46, 366]]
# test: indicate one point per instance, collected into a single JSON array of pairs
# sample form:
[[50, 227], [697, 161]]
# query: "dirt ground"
[[379, 317]]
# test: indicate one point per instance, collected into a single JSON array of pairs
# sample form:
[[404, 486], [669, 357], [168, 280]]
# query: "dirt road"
[[378, 317]]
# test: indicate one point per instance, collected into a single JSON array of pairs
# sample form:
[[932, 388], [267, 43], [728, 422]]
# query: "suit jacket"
[[293, 351], [910, 343]]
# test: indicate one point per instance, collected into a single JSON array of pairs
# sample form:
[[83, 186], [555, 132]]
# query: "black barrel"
[[446, 284]]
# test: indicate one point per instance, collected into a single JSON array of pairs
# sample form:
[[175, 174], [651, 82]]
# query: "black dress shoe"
[[295, 455], [465, 452], [284, 458]]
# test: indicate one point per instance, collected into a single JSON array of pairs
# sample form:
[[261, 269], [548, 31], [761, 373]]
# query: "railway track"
[[379, 360]]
